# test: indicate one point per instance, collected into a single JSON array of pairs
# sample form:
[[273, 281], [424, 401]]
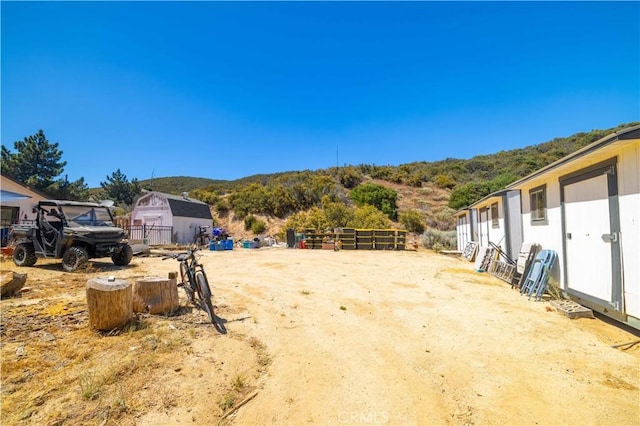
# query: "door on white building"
[[462, 228], [151, 225], [484, 227], [591, 227]]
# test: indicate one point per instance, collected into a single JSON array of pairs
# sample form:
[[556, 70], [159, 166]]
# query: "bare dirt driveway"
[[323, 337]]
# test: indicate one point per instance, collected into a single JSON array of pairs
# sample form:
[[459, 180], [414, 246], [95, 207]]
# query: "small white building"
[[586, 207], [179, 217], [466, 227], [493, 219]]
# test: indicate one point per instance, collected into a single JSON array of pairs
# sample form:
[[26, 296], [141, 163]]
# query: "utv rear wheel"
[[123, 257], [74, 258], [24, 255]]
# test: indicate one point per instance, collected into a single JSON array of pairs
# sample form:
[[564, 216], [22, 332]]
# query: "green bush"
[[384, 199], [469, 193], [415, 181], [209, 197], [296, 221], [222, 207], [369, 217], [349, 177], [258, 226], [249, 221], [336, 215], [444, 181], [253, 224], [439, 240], [412, 221]]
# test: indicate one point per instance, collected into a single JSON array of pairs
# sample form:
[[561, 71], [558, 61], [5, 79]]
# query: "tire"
[[204, 292], [186, 282], [24, 255], [74, 258], [123, 257]]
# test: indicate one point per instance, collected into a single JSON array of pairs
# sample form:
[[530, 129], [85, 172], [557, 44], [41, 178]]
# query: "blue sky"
[[224, 90]]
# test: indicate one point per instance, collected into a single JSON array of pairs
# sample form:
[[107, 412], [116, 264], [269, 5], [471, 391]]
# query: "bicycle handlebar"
[[180, 256]]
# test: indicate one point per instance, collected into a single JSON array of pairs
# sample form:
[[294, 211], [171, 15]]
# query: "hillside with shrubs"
[[420, 197]]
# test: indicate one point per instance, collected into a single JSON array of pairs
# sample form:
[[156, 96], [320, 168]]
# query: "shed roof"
[[498, 193], [621, 135], [188, 207], [183, 206], [7, 176]]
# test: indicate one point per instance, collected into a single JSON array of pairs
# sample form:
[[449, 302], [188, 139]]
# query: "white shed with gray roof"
[[586, 207], [182, 214]]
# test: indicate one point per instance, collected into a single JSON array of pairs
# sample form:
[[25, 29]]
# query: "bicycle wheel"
[[186, 282], [205, 295]]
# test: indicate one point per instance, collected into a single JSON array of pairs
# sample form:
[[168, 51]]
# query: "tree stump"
[[11, 283], [156, 295], [110, 303]]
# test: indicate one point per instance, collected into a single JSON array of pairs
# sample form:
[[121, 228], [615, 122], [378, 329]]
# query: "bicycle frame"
[[195, 282], [190, 267]]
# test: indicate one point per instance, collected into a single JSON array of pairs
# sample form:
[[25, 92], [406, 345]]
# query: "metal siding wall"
[[549, 236], [184, 228], [473, 224], [629, 199], [463, 230], [513, 218]]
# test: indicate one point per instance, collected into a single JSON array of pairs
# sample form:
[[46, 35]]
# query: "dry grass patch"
[[55, 370]]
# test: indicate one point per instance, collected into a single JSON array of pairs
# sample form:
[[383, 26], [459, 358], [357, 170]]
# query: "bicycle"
[[194, 281]]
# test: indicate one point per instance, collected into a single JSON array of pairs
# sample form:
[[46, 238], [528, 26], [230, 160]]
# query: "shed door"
[[591, 227], [484, 227], [462, 228]]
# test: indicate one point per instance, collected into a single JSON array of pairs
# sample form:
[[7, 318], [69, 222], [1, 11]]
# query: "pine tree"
[[36, 162], [119, 189]]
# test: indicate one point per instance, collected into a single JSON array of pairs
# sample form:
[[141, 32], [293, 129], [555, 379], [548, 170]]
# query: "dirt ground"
[[314, 337]]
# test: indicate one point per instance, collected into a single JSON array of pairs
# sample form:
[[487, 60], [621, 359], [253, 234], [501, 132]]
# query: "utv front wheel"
[[123, 257], [74, 258], [24, 255]]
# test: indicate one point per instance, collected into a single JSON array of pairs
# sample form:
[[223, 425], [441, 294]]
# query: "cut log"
[[156, 295], [110, 303], [12, 282]]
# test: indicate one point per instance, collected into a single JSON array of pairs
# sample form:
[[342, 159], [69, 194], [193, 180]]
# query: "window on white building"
[[538, 201], [495, 222]]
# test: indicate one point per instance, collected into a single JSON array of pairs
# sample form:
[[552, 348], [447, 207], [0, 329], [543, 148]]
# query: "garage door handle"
[[610, 238]]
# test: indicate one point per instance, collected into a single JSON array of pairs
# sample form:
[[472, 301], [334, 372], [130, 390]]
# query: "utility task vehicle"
[[72, 231]]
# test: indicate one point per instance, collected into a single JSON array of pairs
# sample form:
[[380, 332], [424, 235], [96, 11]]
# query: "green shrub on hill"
[[384, 199], [412, 221], [286, 194], [437, 240]]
